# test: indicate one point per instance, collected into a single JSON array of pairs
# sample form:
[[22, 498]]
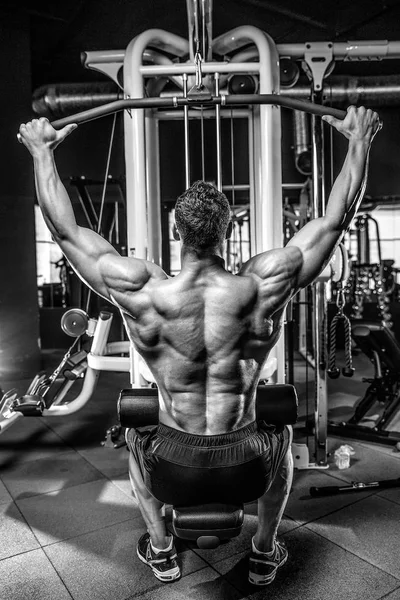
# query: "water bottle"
[[342, 456]]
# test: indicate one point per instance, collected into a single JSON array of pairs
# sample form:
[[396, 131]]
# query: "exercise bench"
[[377, 415], [209, 524]]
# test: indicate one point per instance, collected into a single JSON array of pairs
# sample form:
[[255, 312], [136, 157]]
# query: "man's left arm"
[[317, 240]]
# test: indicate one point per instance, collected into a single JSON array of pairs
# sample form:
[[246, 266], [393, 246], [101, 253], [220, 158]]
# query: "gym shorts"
[[186, 469]]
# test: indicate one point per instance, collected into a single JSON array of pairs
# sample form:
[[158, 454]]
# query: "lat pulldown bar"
[[174, 102]]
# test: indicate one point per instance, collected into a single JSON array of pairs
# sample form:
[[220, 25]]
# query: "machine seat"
[[208, 524], [374, 337]]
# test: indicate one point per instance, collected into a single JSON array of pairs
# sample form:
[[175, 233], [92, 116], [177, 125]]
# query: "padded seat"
[[276, 404], [208, 524], [374, 337]]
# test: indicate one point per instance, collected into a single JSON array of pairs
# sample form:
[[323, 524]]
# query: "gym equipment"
[[205, 100], [208, 524], [370, 282], [74, 322], [340, 270], [355, 486], [377, 415], [46, 395], [340, 317], [154, 58]]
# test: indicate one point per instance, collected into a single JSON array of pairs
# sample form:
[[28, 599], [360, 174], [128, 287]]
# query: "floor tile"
[[85, 429], [393, 595], [287, 524], [29, 439], [370, 529], [391, 494], [15, 534], [48, 475], [367, 464], [241, 542], [316, 570], [109, 461], [30, 576], [303, 508], [103, 565], [123, 483], [4, 495], [203, 585], [73, 511]]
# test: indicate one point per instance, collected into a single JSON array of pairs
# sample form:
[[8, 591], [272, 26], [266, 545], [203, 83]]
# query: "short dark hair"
[[202, 216]]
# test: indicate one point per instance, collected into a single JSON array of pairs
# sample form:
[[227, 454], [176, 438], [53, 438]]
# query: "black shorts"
[[185, 469]]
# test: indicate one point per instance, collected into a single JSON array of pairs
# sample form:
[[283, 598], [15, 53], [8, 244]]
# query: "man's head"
[[202, 216]]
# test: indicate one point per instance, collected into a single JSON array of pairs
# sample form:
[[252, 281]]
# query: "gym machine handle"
[[230, 100], [329, 490], [354, 486]]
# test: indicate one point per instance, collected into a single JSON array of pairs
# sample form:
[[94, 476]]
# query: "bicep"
[[317, 241], [99, 265]]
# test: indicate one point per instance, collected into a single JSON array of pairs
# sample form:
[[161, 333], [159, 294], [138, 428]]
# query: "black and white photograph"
[[200, 300]]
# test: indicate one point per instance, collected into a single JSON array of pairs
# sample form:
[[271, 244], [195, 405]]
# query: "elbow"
[[63, 231], [62, 236], [59, 234]]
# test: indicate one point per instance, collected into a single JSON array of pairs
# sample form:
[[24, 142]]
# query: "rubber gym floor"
[[69, 523]]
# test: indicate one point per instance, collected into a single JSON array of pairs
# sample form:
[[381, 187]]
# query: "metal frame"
[[143, 212], [100, 358], [266, 219], [265, 184]]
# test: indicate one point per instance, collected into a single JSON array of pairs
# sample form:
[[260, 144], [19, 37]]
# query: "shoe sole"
[[173, 575], [268, 579]]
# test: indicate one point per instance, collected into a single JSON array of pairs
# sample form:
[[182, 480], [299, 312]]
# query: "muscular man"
[[205, 334]]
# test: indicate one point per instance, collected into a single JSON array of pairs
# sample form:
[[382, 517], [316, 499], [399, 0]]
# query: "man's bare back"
[[205, 335]]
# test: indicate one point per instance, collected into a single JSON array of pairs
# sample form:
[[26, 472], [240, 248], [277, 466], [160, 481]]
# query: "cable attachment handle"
[[199, 74], [199, 93], [340, 317]]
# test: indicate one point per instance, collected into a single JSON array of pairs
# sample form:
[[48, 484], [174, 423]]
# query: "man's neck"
[[207, 258]]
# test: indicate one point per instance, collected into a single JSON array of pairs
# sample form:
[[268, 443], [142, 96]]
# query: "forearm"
[[53, 197], [349, 187]]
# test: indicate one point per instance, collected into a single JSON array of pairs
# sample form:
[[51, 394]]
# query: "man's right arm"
[[317, 240], [95, 260]]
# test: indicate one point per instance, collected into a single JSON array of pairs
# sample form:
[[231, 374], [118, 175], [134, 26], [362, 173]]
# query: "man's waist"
[[202, 425], [187, 438]]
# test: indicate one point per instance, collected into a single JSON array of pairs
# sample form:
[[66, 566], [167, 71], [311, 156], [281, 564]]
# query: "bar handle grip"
[[230, 100]]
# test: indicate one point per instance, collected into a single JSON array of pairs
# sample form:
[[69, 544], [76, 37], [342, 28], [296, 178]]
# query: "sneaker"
[[163, 564], [262, 568]]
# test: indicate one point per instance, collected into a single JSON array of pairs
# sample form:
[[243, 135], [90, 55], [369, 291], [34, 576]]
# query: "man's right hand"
[[360, 124], [39, 135]]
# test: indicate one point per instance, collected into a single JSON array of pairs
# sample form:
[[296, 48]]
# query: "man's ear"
[[229, 230], [175, 233]]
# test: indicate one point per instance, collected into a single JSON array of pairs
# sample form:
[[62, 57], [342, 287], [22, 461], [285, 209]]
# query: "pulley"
[[74, 322]]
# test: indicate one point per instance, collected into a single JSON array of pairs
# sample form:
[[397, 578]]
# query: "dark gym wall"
[[19, 331]]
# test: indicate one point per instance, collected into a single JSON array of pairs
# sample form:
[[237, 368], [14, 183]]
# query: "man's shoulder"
[[155, 271], [273, 262], [125, 274], [144, 270]]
